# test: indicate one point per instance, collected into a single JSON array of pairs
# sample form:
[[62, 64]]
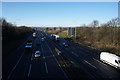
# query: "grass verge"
[[72, 70]]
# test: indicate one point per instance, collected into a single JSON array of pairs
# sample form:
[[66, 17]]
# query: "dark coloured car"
[[37, 54], [65, 44]]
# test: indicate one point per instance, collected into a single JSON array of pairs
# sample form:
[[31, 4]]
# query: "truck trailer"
[[56, 37], [110, 59]]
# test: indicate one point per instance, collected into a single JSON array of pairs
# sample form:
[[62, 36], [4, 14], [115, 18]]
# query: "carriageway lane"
[[22, 67], [37, 66], [46, 67], [92, 58], [43, 68], [88, 62], [11, 62]]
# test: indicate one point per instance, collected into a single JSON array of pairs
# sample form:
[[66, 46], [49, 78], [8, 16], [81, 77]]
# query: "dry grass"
[[104, 47]]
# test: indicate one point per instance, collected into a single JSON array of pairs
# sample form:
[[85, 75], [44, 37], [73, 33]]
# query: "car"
[[29, 43], [65, 44], [28, 48], [37, 54], [42, 39], [51, 35]]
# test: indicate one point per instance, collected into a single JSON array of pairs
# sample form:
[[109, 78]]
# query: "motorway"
[[23, 65]]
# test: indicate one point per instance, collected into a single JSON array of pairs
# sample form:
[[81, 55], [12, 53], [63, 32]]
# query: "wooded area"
[[13, 36], [105, 37]]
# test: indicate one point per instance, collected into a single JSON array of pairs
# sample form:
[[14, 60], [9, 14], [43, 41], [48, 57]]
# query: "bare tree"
[[54, 28], [95, 23], [113, 23], [47, 28]]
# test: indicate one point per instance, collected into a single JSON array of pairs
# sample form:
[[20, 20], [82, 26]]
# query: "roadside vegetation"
[[72, 70], [12, 36], [62, 32], [104, 37]]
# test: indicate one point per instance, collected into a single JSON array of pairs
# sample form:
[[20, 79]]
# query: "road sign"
[[71, 31]]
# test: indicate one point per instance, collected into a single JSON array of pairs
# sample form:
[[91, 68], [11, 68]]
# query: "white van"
[[34, 35], [110, 59]]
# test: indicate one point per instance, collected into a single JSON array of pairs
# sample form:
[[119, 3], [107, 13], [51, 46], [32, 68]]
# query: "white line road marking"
[[44, 59], [15, 65], [29, 70], [46, 67], [90, 64], [48, 47], [32, 57], [42, 52], [57, 62], [83, 53], [99, 61], [75, 54]]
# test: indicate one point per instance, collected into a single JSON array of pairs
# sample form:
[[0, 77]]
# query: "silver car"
[[43, 39]]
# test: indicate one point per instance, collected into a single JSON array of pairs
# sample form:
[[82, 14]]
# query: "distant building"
[[71, 31]]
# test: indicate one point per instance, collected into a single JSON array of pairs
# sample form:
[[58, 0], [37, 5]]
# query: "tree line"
[[105, 37], [12, 36], [11, 31]]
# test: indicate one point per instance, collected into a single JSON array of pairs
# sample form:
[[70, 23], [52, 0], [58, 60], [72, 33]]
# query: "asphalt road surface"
[[22, 65]]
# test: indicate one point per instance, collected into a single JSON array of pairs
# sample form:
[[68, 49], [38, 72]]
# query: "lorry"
[[111, 59], [56, 38]]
